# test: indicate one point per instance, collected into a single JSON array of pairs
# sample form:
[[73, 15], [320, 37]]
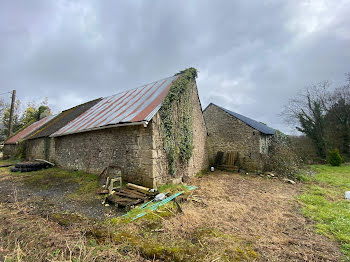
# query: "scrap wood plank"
[[130, 195], [123, 201], [130, 202], [129, 191], [141, 189]]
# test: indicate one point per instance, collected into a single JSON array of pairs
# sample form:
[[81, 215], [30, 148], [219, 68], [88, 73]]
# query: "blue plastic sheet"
[[151, 207]]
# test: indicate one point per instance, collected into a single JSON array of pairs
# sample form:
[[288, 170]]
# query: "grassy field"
[[324, 202], [50, 215]]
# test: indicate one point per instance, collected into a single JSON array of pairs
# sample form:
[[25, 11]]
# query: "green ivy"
[[176, 124]]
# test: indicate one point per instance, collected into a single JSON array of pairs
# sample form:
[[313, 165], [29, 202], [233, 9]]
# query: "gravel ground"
[[52, 200]]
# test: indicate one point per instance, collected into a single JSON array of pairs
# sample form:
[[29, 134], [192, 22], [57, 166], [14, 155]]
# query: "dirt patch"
[[261, 211]]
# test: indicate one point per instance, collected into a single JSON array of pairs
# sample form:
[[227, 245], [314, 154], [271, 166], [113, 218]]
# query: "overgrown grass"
[[324, 202], [148, 237]]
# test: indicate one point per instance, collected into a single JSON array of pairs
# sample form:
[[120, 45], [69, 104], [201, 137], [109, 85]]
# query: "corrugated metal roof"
[[135, 105], [22, 134], [62, 119], [250, 122]]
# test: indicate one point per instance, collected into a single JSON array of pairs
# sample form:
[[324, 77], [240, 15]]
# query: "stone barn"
[[39, 145], [236, 141], [154, 134], [14, 142]]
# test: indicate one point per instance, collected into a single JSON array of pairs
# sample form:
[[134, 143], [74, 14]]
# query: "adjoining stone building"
[[154, 134], [39, 144], [236, 141], [14, 142]]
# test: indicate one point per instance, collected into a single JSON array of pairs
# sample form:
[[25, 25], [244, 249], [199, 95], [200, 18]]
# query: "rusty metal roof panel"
[[24, 133], [135, 105]]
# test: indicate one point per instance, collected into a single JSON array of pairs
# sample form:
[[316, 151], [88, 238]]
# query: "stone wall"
[[199, 160], [127, 147], [229, 134], [35, 148], [10, 150], [41, 148]]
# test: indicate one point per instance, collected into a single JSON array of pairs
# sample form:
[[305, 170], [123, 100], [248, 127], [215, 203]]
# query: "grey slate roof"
[[250, 122]]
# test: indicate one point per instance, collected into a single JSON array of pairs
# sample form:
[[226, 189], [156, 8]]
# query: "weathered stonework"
[[127, 147], [199, 160], [229, 134], [138, 151], [35, 149], [10, 150], [40, 148]]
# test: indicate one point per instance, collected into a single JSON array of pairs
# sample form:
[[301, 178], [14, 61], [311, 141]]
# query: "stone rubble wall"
[[127, 147], [198, 162], [9, 150], [229, 134], [41, 148], [35, 148]]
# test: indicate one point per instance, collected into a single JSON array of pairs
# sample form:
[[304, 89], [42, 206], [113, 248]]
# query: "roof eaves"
[[144, 123]]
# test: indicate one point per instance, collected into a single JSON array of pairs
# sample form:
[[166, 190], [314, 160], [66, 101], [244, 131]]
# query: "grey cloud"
[[251, 55]]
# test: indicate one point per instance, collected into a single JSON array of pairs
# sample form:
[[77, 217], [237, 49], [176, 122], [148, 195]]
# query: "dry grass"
[[25, 237], [230, 218]]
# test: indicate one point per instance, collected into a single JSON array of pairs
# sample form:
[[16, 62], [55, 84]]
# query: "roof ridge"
[[80, 105], [139, 86]]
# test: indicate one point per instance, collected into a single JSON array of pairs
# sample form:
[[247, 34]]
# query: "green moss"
[[86, 191], [22, 128], [177, 128], [172, 188], [66, 219], [54, 177]]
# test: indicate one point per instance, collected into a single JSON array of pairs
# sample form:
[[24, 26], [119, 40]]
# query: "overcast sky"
[[252, 56]]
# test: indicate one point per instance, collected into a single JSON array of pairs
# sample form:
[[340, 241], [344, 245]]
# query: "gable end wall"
[[229, 134], [198, 162]]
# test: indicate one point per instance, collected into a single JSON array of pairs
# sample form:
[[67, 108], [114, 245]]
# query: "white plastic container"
[[212, 169], [347, 195]]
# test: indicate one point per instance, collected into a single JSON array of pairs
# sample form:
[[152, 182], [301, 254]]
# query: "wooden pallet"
[[130, 195]]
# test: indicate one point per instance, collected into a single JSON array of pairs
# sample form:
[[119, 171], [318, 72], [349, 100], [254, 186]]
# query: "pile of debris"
[[130, 195], [268, 175]]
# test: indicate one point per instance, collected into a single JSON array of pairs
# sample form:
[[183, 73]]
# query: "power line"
[[5, 93]]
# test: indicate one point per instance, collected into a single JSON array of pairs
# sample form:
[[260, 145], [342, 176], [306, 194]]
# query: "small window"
[[253, 133]]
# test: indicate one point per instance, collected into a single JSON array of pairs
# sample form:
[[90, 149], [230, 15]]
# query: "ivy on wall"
[[176, 116]]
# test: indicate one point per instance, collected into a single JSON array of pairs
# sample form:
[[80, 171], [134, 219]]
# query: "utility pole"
[[11, 111]]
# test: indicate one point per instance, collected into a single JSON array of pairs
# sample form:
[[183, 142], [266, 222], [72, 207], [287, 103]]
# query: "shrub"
[[335, 158], [281, 158]]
